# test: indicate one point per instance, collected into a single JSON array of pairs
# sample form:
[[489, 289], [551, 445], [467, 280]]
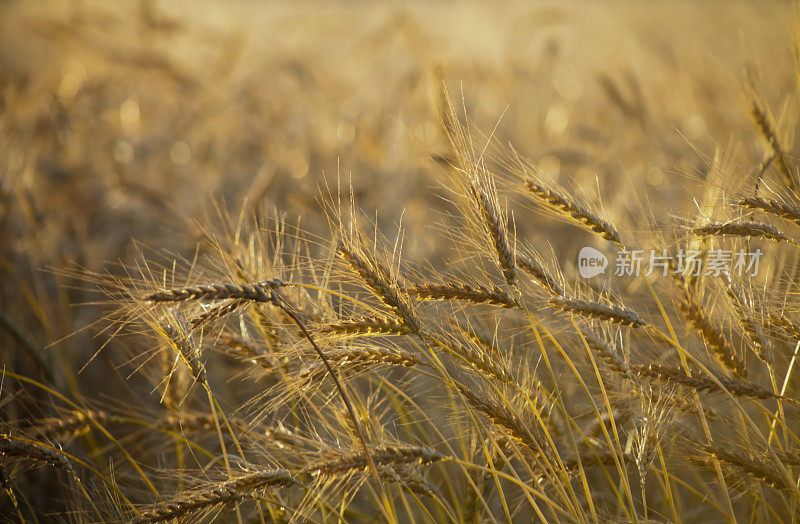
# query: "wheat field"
[[399, 262]]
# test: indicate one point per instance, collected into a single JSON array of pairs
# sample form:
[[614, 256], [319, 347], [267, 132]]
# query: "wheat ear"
[[742, 229], [231, 490], [383, 456], [503, 418], [585, 308], [745, 315], [540, 275], [255, 292], [495, 228], [575, 211], [712, 337], [457, 291], [378, 279], [11, 447], [753, 468], [764, 124], [222, 310], [361, 359], [702, 382], [773, 207], [366, 326]]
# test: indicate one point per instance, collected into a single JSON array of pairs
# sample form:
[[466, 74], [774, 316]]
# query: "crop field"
[[413, 262]]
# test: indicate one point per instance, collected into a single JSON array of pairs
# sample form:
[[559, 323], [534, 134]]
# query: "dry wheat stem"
[[281, 302]]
